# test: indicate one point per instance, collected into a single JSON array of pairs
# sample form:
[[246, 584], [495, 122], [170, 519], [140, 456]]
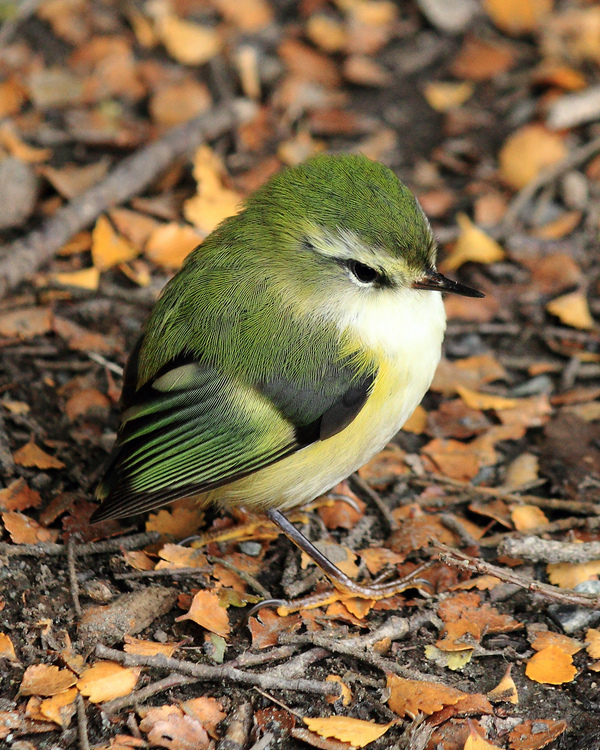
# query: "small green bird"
[[287, 351]]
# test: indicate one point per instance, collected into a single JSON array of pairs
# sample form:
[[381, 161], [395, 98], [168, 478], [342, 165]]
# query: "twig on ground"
[[244, 575], [211, 673], [7, 462], [239, 724], [22, 258], [91, 548], [84, 742], [566, 596], [550, 551], [139, 696], [381, 506], [300, 663], [564, 524], [71, 552]]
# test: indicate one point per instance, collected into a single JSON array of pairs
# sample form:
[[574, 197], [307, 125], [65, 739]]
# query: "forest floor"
[[127, 132]]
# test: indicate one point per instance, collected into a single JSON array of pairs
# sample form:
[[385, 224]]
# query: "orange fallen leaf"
[[453, 458], [505, 690], [346, 729], [19, 496], [87, 278], [177, 556], [476, 400], [417, 422], [526, 517], [444, 96], [87, 402], [346, 695], [592, 638], [7, 650], [26, 322], [558, 228], [31, 455], [326, 32], [569, 575], [170, 244], [481, 59], [534, 734], [476, 742], [527, 151], [148, 648], [207, 612], [572, 310], [108, 248], [213, 202], [178, 522], [208, 711], [409, 697], [138, 559], [17, 147], [60, 708], [43, 679], [25, 530], [517, 17], [551, 666], [545, 638], [251, 16], [168, 726], [106, 680], [522, 470], [473, 244], [187, 42]]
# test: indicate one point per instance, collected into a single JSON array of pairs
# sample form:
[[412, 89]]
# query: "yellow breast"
[[407, 352]]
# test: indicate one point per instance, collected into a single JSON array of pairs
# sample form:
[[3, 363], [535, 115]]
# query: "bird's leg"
[[339, 579]]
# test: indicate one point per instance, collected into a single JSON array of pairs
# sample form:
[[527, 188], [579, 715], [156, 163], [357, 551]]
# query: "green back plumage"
[[237, 367]]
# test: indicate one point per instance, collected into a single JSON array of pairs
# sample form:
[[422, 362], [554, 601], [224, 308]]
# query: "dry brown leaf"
[[551, 666], [385, 467], [505, 690], [476, 400], [187, 42], [409, 697], [326, 32], [592, 638], [476, 742], [346, 695], [138, 559], [545, 638], [31, 455], [176, 556], [460, 635], [569, 575], [7, 650], [106, 680], [168, 726], [453, 458], [473, 245], [444, 96], [527, 151], [86, 278], [377, 558], [417, 422], [534, 734], [267, 626], [526, 517], [468, 606], [522, 470], [517, 17], [17, 147], [178, 102], [149, 648], [572, 310], [170, 244], [249, 16], [108, 248], [558, 228], [480, 59], [178, 522], [26, 322], [89, 402], [339, 514], [19, 496], [60, 708], [12, 97], [208, 711], [346, 729], [72, 180], [213, 202], [43, 679], [207, 612], [471, 372], [25, 530], [80, 338]]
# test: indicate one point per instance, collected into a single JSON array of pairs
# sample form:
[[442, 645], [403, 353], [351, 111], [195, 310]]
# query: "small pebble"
[[251, 548]]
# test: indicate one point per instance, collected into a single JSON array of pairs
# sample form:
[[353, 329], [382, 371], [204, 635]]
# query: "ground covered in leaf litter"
[[491, 115]]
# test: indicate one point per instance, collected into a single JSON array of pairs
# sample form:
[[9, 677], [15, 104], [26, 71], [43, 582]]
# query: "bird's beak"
[[439, 283]]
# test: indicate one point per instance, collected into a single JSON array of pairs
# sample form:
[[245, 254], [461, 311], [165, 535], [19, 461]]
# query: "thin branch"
[[91, 548], [566, 596], [550, 551], [22, 258], [211, 673]]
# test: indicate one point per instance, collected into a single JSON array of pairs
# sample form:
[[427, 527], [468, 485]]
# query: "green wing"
[[193, 428]]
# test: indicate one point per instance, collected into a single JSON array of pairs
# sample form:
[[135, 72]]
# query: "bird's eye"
[[363, 273]]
